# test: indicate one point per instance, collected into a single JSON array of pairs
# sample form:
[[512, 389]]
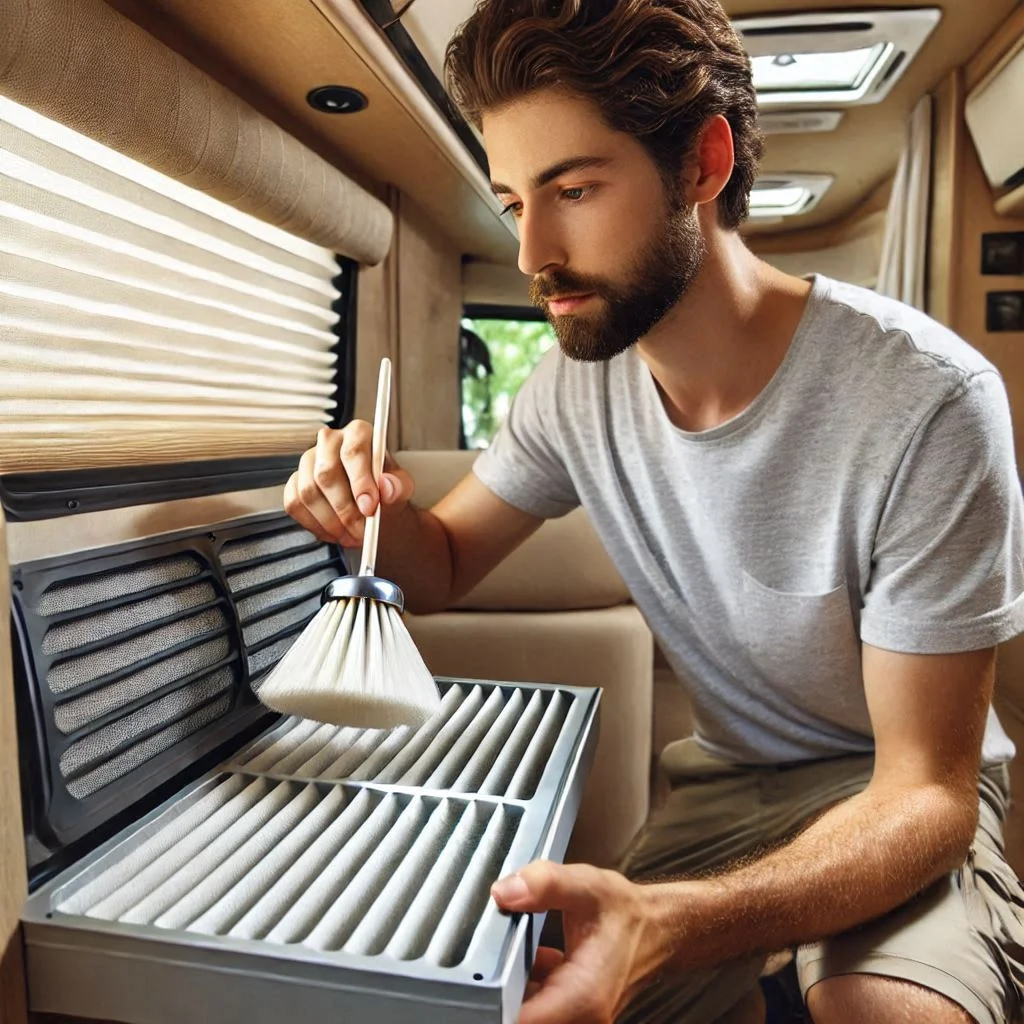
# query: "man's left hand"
[[611, 940]]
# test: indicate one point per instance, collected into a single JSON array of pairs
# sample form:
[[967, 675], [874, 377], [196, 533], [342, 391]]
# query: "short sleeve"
[[524, 465], [947, 569]]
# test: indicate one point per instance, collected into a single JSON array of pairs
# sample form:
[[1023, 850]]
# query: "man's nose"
[[540, 246]]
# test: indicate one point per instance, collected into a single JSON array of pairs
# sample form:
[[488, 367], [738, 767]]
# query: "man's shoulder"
[[885, 330]]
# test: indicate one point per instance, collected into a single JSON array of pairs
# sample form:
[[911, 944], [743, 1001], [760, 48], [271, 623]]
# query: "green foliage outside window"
[[515, 347]]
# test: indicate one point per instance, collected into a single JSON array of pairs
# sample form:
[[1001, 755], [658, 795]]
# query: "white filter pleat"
[[327, 737], [408, 770], [130, 881], [340, 919], [391, 906], [194, 825], [401, 749], [346, 746], [489, 748], [368, 742], [504, 768], [310, 876], [323, 891], [466, 906], [272, 864], [454, 761], [192, 870], [225, 876], [268, 750], [524, 782], [414, 932]]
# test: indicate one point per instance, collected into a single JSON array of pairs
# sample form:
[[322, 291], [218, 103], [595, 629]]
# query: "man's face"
[[609, 247]]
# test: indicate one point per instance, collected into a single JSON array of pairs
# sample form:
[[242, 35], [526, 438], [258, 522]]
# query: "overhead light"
[[794, 122], [833, 58], [786, 195]]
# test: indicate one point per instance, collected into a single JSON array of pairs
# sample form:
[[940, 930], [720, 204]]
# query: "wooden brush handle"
[[380, 443]]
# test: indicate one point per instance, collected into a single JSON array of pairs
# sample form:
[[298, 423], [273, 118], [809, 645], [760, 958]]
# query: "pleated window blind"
[[142, 321]]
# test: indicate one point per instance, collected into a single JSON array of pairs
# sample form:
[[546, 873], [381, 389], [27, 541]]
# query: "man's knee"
[[874, 999]]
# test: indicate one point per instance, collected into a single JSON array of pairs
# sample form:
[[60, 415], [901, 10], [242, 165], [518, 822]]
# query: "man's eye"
[[514, 209], [574, 195]]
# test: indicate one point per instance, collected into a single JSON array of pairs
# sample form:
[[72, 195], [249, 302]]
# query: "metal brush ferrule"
[[373, 587]]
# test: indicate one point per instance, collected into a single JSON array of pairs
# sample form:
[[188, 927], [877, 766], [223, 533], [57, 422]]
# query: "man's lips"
[[568, 303]]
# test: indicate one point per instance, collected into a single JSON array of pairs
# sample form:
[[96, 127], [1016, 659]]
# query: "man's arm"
[[913, 823], [435, 556]]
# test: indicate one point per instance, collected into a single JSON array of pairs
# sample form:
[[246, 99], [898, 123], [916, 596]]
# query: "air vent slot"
[[329, 868], [485, 740], [139, 661], [276, 580]]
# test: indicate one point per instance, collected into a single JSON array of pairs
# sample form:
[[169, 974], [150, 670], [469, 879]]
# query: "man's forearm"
[[861, 859], [416, 554]]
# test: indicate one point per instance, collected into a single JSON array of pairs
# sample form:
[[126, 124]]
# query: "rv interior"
[[216, 217]]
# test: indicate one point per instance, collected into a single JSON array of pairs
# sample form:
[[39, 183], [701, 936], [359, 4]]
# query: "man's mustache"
[[559, 283]]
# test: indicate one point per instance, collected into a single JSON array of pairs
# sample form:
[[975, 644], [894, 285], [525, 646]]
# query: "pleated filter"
[[326, 873]]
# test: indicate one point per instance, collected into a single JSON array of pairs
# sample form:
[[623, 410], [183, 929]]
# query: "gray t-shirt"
[[869, 493]]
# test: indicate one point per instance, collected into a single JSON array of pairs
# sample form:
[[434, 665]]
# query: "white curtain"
[[904, 252], [143, 321]]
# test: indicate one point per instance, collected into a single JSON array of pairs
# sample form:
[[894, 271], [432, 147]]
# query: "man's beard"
[[658, 279]]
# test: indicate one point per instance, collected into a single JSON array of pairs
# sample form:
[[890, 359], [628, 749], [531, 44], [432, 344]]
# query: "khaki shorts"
[[963, 937]]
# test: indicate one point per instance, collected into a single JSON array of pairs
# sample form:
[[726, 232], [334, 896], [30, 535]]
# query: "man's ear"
[[711, 163]]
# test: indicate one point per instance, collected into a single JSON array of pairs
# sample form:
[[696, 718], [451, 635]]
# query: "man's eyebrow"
[[575, 163]]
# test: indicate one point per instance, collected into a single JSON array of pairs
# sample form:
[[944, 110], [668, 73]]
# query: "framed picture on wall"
[[1005, 311], [1002, 252]]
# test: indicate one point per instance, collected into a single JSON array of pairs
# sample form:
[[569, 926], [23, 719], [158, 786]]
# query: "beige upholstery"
[[571, 626], [564, 565]]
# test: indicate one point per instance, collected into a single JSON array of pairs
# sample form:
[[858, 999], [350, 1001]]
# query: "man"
[[811, 492]]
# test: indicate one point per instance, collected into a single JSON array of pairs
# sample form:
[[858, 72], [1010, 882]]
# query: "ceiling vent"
[[785, 195], [839, 57]]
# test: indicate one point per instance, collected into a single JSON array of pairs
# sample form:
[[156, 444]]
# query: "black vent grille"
[[136, 659], [276, 580], [139, 662]]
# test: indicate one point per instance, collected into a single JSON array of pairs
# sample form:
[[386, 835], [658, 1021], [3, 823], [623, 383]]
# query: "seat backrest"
[[562, 566]]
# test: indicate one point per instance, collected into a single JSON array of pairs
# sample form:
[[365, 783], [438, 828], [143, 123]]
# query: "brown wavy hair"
[[655, 69]]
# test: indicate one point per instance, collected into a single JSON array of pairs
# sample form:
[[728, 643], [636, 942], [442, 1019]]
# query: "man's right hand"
[[333, 491]]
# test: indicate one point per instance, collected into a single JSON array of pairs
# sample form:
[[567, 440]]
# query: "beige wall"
[[964, 210], [409, 309], [13, 886]]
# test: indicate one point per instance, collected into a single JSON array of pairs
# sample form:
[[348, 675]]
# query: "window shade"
[[142, 321]]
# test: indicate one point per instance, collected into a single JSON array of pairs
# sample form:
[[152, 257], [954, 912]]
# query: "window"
[[499, 349]]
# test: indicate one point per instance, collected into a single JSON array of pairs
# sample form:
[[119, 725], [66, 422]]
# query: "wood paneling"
[[967, 191], [13, 883], [946, 211], [429, 309]]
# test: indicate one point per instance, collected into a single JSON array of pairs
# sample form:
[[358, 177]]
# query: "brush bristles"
[[354, 664]]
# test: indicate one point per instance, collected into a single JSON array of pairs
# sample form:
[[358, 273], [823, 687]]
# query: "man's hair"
[[654, 69]]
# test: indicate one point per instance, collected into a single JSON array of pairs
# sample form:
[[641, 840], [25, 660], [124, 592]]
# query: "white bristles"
[[354, 664]]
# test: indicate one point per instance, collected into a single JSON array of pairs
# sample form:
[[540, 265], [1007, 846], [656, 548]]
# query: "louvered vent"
[[349, 871], [276, 579], [328, 868], [137, 660], [484, 740]]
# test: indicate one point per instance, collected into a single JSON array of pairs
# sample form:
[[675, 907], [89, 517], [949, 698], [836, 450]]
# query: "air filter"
[[325, 873]]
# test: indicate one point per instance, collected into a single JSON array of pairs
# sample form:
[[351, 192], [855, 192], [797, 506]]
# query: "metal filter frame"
[[348, 874]]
